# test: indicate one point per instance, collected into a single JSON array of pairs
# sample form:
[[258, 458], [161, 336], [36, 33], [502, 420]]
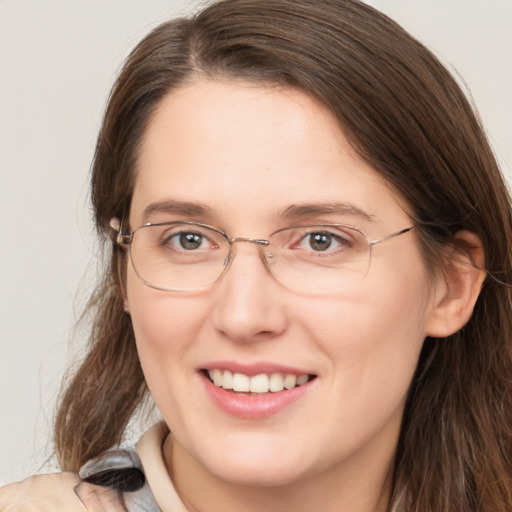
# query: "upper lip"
[[251, 369]]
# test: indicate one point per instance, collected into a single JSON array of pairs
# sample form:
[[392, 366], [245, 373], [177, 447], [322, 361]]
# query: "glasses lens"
[[179, 256], [319, 259]]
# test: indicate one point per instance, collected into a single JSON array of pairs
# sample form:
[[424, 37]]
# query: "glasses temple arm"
[[392, 235]]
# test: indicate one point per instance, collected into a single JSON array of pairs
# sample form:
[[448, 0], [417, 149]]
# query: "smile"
[[261, 383]]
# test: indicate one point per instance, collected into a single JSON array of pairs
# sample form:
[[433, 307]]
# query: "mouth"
[[256, 384]]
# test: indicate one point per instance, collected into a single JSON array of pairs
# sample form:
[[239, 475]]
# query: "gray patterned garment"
[[115, 481]]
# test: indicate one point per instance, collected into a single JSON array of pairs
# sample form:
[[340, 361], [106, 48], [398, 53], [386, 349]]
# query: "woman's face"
[[238, 157]]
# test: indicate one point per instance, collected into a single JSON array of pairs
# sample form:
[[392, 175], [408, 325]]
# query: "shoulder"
[[113, 481], [42, 493]]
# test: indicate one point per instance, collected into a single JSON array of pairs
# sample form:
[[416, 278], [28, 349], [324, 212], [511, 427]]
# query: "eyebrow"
[[169, 206], [316, 209], [294, 211]]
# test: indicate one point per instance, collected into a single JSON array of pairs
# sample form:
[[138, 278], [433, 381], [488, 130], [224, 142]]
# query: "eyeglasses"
[[191, 256]]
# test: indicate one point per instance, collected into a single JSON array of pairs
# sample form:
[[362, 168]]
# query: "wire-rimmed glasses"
[[191, 256]]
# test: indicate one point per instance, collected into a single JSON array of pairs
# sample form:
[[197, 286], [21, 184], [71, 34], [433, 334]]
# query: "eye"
[[190, 241], [320, 241], [186, 241], [323, 241]]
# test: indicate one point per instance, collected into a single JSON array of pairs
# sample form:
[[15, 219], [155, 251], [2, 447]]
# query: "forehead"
[[247, 152]]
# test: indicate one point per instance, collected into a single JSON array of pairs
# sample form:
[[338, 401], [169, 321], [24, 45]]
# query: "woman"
[[302, 204]]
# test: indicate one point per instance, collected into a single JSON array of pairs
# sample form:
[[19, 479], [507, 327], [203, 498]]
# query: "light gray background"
[[58, 59]]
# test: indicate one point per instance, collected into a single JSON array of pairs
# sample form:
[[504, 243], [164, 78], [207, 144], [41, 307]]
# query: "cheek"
[[164, 327], [373, 336]]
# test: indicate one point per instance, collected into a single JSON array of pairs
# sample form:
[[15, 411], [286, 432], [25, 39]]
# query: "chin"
[[273, 470], [260, 476]]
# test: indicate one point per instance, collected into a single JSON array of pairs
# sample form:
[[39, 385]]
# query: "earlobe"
[[458, 286]]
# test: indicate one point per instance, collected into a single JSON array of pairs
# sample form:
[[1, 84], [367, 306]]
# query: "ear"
[[458, 285]]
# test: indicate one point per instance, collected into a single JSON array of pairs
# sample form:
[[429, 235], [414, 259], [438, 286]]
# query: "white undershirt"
[[150, 450]]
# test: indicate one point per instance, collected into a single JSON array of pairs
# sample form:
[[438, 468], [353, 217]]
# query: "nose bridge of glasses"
[[257, 241]]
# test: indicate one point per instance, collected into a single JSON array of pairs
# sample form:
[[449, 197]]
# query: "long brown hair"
[[404, 114]]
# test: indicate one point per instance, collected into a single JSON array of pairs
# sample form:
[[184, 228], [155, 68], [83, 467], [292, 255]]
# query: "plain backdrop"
[[58, 59]]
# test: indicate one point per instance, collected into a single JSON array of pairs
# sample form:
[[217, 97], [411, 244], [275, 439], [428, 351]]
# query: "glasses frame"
[[125, 240]]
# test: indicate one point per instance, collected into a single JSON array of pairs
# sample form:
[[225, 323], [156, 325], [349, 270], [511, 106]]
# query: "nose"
[[249, 303]]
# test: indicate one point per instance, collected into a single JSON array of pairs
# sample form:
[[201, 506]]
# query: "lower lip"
[[254, 406]]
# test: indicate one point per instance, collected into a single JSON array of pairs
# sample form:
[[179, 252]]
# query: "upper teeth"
[[262, 383]]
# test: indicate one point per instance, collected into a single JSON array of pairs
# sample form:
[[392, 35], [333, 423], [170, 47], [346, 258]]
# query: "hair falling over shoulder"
[[403, 113], [107, 388]]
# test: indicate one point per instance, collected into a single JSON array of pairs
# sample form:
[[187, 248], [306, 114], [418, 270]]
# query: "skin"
[[248, 152]]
